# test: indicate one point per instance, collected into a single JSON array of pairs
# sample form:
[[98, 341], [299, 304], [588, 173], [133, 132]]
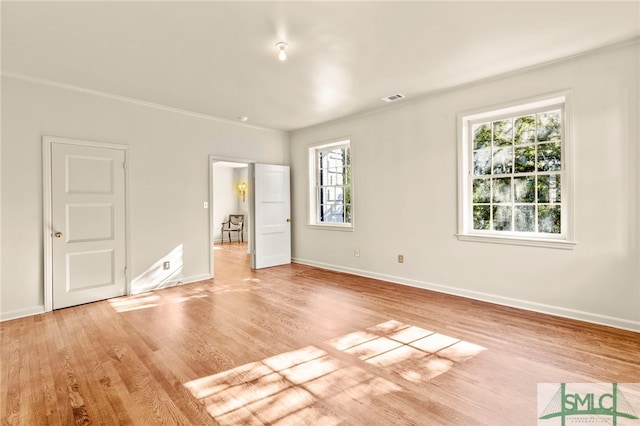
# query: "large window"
[[331, 189], [515, 180]]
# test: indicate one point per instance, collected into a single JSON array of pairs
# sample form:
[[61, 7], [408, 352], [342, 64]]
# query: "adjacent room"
[[322, 213]]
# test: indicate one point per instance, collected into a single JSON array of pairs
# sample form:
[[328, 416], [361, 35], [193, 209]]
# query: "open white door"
[[270, 215], [87, 223]]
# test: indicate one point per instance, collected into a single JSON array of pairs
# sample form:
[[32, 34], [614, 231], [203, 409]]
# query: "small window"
[[331, 189], [515, 174]]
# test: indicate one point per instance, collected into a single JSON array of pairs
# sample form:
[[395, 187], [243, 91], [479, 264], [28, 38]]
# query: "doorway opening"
[[264, 201], [229, 182]]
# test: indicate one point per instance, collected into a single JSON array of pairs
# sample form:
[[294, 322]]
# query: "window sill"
[[331, 227], [519, 241]]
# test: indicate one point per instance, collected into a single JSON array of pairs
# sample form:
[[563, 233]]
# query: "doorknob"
[[58, 234], [288, 219]]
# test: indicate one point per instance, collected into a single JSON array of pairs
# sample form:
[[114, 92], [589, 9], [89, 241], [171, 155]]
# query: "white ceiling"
[[220, 59]]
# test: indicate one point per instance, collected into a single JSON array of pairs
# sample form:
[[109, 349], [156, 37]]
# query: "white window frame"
[[313, 213], [565, 239]]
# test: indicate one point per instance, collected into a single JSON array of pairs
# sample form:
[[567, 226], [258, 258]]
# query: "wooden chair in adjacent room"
[[235, 223]]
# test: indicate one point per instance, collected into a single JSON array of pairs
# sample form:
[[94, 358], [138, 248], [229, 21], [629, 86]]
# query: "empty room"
[[320, 213]]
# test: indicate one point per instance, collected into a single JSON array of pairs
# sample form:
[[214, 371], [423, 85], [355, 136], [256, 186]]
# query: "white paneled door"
[[272, 216], [87, 223]]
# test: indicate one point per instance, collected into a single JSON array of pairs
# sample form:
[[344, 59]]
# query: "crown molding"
[[71, 87]]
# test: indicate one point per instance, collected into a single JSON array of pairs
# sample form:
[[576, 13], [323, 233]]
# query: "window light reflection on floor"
[[284, 388], [289, 388], [136, 302], [149, 300], [413, 353]]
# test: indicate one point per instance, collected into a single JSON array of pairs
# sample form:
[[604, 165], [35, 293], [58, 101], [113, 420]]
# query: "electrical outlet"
[[166, 265], [400, 258], [356, 253]]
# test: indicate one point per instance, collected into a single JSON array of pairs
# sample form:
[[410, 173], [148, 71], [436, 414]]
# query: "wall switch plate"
[[166, 265], [400, 258], [356, 253], [206, 204]]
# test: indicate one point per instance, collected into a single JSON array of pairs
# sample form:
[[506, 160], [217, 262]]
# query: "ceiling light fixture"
[[283, 50]]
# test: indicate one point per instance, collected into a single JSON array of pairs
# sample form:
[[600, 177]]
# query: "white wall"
[[169, 176], [405, 197]]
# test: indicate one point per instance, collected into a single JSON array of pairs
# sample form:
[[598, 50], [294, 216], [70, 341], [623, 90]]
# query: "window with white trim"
[[330, 185], [515, 182]]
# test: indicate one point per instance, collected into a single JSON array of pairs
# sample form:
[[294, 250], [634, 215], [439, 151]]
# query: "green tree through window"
[[514, 171], [520, 170]]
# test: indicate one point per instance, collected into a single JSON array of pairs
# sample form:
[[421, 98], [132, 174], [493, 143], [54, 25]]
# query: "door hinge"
[[125, 271], [124, 165]]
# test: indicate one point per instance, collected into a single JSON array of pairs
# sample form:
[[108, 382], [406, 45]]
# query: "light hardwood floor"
[[297, 345]]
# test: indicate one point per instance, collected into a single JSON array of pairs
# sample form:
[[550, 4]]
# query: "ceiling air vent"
[[392, 98]]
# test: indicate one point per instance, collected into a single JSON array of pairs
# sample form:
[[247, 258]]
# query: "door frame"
[[212, 159], [47, 144]]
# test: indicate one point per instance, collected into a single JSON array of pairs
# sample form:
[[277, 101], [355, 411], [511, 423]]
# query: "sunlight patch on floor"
[[150, 300], [285, 389], [413, 353], [133, 303], [290, 388]]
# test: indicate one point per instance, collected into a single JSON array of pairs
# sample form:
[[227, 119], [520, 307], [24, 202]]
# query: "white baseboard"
[[171, 283], [35, 310], [486, 297], [20, 313]]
